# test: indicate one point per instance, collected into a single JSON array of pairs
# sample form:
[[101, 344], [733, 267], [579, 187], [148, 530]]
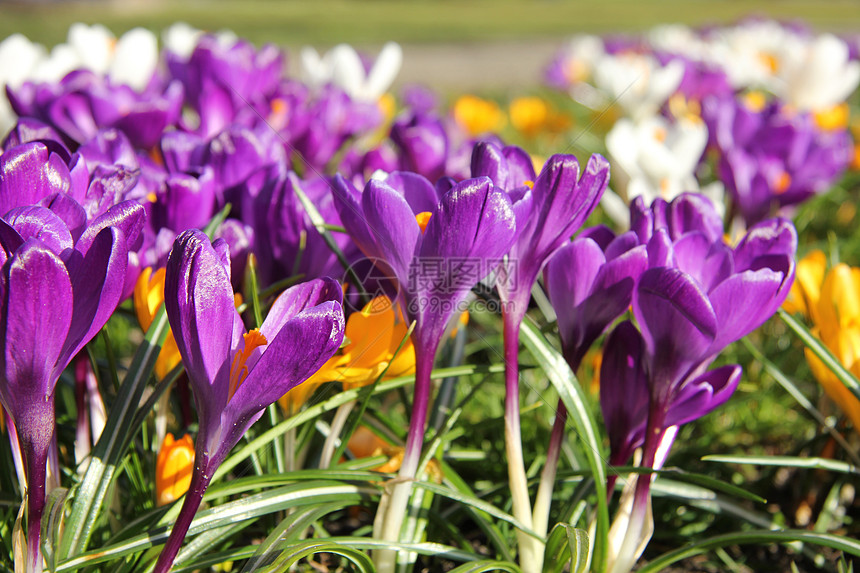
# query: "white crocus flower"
[[342, 67], [181, 39], [18, 58], [818, 74], [654, 158], [637, 82], [135, 58]]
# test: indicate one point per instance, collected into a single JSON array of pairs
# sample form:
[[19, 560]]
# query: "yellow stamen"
[[239, 368], [151, 197], [423, 219], [660, 134], [279, 106], [529, 184], [755, 100], [769, 61]]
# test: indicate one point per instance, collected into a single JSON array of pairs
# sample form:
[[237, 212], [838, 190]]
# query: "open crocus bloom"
[[342, 66], [236, 374]]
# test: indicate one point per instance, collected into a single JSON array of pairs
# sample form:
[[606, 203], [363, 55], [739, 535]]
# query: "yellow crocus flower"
[[173, 468], [837, 324], [806, 289], [478, 116], [148, 297], [374, 335]]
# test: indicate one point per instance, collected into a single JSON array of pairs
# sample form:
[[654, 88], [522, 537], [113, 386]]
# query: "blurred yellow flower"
[[173, 469], [148, 297], [833, 307], [373, 335], [806, 289], [478, 116], [529, 115]]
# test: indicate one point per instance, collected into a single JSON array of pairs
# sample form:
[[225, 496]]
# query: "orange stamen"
[[782, 183], [239, 368], [423, 219]]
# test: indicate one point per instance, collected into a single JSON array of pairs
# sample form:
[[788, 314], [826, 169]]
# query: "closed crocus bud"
[[173, 469]]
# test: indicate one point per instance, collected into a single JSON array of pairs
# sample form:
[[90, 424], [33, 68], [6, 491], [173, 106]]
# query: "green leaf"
[[822, 352], [485, 566], [566, 544], [839, 542], [252, 507], [789, 462], [476, 503], [577, 404]]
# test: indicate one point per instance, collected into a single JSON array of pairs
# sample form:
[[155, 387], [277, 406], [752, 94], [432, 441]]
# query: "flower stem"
[[203, 470], [394, 502], [531, 549], [543, 500], [337, 424]]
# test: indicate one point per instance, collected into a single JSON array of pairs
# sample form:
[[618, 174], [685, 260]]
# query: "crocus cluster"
[[359, 233], [772, 97]]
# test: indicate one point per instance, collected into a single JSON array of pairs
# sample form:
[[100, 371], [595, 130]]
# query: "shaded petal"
[[200, 307], [693, 212], [393, 224], [678, 324], [704, 394], [37, 318], [417, 190], [347, 202], [489, 161], [127, 216], [771, 237], [624, 396], [41, 224], [98, 281], [69, 210]]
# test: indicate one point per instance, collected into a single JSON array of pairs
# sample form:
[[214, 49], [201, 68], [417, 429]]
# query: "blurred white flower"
[[818, 74], [342, 66], [654, 158], [637, 82]]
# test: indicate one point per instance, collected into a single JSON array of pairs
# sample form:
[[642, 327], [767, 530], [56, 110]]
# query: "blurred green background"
[[370, 22]]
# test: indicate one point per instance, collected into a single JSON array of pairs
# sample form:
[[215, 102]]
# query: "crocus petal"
[[301, 347], [771, 237], [417, 190], [98, 281], [393, 224], [384, 70], [28, 173], [743, 302], [69, 210], [677, 321], [489, 161], [298, 298], [347, 202], [40, 223], [127, 216], [704, 394], [200, 307], [624, 391], [38, 312]]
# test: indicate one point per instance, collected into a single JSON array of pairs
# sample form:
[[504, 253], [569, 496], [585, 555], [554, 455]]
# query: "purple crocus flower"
[[771, 158], [590, 283], [698, 296], [459, 240], [82, 102], [237, 374], [227, 84], [59, 286], [549, 209], [422, 141]]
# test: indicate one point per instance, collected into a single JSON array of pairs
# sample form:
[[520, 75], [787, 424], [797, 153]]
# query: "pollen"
[[239, 368], [529, 184], [423, 218]]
